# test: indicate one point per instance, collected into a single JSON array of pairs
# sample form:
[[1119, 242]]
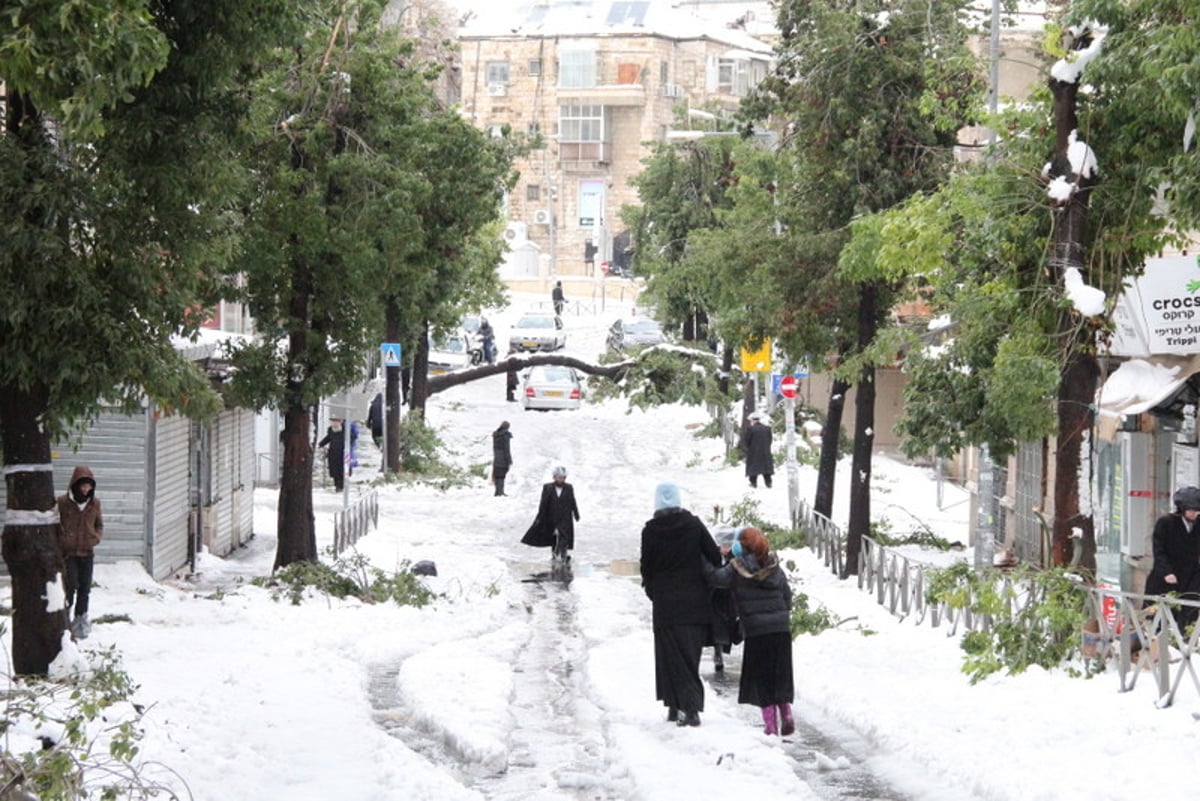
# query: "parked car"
[[634, 333], [549, 386], [449, 353], [538, 331]]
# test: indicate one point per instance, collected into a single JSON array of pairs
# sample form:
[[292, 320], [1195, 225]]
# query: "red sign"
[[788, 386]]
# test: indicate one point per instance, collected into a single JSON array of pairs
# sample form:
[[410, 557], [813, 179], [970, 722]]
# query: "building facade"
[[596, 84]]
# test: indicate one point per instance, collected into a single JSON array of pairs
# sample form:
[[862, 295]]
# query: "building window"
[[664, 76], [533, 192], [497, 72], [534, 128], [582, 123], [577, 69], [733, 76], [535, 67]]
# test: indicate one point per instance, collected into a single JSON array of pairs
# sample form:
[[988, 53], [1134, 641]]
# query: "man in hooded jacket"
[[675, 543], [81, 529]]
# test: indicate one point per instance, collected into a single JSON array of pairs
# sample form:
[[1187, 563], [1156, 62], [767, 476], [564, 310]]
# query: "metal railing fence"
[[1140, 634], [353, 522]]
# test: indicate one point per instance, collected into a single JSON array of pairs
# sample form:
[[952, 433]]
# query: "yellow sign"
[[759, 361]]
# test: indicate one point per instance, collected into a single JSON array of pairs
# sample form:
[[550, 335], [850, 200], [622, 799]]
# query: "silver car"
[[537, 331], [549, 386], [634, 333]]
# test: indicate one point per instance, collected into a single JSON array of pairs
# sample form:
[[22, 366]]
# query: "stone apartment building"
[[598, 81]]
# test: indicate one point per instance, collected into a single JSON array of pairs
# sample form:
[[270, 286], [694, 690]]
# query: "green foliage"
[[806, 620], [746, 512], [1035, 618], [91, 728], [663, 375], [350, 574]]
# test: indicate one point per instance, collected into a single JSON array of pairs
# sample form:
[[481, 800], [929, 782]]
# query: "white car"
[[538, 331], [451, 352], [550, 386]]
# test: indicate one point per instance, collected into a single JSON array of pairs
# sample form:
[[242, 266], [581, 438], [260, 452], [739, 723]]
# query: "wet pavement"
[[558, 749]]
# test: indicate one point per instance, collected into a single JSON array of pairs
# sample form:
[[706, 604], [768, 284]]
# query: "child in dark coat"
[[764, 604]]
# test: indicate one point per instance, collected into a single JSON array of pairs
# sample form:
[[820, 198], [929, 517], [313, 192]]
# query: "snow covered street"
[[520, 684]]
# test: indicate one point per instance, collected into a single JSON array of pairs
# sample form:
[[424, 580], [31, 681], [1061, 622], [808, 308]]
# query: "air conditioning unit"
[[497, 89], [672, 90], [515, 232], [541, 217]]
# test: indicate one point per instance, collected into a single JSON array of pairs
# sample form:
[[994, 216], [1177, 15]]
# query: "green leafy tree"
[[115, 187], [994, 248], [871, 96], [337, 124]]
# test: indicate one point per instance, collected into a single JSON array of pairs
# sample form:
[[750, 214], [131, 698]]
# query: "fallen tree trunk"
[[615, 371]]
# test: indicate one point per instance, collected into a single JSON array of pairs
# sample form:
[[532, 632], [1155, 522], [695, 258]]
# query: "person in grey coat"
[[764, 603], [759, 461], [501, 456]]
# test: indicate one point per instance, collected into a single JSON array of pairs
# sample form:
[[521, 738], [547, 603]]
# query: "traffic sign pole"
[[787, 388]]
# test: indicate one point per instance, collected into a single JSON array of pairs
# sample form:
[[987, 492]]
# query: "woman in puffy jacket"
[[764, 604]]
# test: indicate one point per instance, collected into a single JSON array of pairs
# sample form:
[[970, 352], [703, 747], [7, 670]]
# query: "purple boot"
[[786, 724], [770, 724]]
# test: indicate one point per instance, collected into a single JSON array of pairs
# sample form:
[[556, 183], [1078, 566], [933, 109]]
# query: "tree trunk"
[[419, 391], [1077, 389], [30, 538], [831, 437], [864, 435], [296, 533], [296, 529], [726, 370]]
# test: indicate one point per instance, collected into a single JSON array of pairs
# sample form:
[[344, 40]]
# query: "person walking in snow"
[[334, 442], [1176, 547], [557, 514], [726, 628], [80, 531], [764, 603], [501, 456], [675, 543], [558, 298], [375, 418], [759, 461], [511, 381]]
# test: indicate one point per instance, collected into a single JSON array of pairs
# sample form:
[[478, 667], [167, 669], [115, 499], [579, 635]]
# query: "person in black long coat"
[[674, 545], [335, 443], [759, 461], [375, 418], [764, 603], [1176, 547], [557, 514], [501, 455]]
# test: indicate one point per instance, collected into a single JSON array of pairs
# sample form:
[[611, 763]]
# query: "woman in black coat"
[[764, 603], [1176, 546], [501, 456], [674, 545], [557, 514]]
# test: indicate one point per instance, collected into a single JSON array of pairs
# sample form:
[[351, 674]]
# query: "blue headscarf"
[[666, 496]]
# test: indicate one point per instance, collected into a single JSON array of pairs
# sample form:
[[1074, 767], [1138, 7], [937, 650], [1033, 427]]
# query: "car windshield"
[[642, 327], [551, 374], [536, 322], [450, 345]]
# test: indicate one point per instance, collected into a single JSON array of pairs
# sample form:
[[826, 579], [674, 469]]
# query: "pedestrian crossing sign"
[[391, 354]]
